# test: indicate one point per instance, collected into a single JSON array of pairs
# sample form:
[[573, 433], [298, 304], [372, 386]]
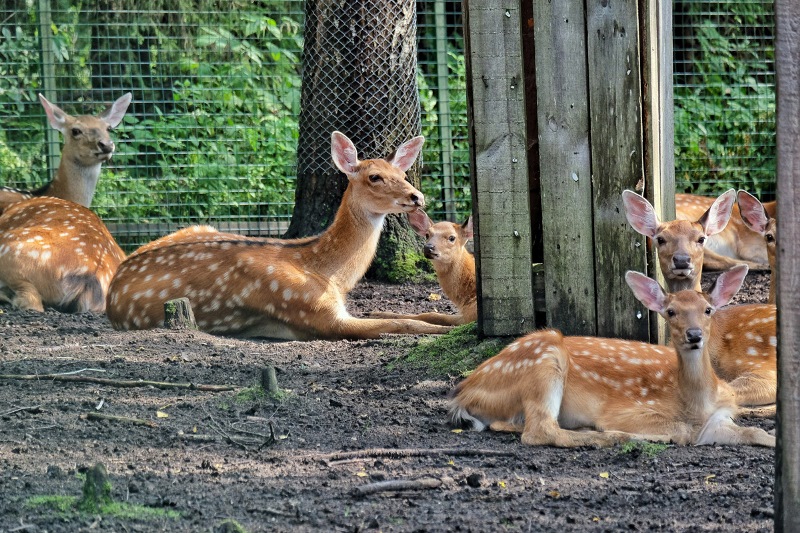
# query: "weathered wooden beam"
[[496, 98], [615, 105], [565, 166], [787, 63]]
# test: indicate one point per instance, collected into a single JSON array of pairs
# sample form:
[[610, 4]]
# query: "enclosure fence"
[[212, 133]]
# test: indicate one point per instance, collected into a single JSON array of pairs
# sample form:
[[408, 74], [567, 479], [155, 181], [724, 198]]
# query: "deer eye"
[[708, 311], [76, 132], [374, 178], [701, 241], [770, 237], [670, 313], [452, 238], [661, 241]]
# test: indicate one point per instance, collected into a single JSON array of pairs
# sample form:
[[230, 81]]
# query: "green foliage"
[[638, 447], [457, 352], [725, 102]]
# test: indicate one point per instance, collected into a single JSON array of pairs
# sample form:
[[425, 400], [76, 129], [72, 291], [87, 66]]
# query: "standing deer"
[[757, 217], [547, 386], [445, 246], [87, 145], [55, 253], [734, 245], [285, 289], [743, 347]]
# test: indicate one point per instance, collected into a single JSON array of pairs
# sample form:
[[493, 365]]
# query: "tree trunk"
[[359, 77]]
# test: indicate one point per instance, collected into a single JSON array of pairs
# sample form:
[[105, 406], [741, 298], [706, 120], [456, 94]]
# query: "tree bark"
[[359, 77]]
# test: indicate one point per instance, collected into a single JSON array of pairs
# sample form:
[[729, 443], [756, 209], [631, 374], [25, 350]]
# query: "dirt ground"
[[208, 455]]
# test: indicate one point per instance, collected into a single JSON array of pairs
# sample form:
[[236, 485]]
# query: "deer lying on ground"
[[743, 346], [547, 386], [445, 246], [756, 217], [87, 145], [284, 289], [736, 244], [55, 253]]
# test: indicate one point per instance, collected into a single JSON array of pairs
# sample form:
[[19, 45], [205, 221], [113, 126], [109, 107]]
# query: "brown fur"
[[286, 289], [760, 219], [55, 253]]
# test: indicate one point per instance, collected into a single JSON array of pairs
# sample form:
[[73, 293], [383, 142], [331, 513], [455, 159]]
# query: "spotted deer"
[[758, 219], [55, 253], [445, 246], [735, 244], [743, 348], [548, 386], [87, 145], [284, 289]]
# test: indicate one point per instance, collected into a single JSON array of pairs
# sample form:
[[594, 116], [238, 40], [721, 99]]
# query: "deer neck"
[[345, 250], [698, 383], [74, 182], [457, 279], [677, 285]]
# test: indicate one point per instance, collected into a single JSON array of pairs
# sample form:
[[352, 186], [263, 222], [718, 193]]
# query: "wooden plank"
[[53, 143], [615, 104], [443, 110], [659, 130], [496, 98], [787, 63], [564, 162]]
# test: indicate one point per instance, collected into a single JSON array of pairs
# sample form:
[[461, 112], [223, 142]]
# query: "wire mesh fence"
[[212, 133]]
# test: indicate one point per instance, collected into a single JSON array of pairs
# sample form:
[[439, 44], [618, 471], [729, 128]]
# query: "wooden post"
[[443, 109], [787, 456], [47, 49], [178, 314], [496, 97], [565, 166]]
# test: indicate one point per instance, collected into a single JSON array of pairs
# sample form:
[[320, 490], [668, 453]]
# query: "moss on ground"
[[457, 352]]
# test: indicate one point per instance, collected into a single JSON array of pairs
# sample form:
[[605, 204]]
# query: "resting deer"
[[756, 217], [285, 289], [87, 145], [445, 246], [734, 245], [743, 347], [548, 386], [55, 253]]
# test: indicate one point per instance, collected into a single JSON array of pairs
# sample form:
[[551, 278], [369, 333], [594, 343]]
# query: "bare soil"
[[209, 455]]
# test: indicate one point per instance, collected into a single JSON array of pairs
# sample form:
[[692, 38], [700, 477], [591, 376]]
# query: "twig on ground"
[[394, 485], [33, 409], [115, 418], [398, 453], [119, 383], [80, 371]]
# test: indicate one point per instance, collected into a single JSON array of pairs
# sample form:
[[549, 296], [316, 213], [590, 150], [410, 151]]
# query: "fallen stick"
[[406, 452], [32, 409], [119, 383], [115, 418], [394, 485]]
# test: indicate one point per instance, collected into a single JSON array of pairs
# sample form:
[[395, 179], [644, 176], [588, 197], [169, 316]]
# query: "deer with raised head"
[[736, 244], [87, 145], [55, 253], [284, 289], [548, 387], [445, 246], [743, 347], [755, 216]]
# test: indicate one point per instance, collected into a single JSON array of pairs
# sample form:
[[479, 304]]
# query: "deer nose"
[[428, 249], [681, 261], [418, 200], [694, 335], [106, 147]]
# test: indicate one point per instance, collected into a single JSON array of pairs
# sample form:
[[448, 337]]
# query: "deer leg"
[[440, 319], [721, 429], [372, 328], [714, 261], [26, 297], [753, 390]]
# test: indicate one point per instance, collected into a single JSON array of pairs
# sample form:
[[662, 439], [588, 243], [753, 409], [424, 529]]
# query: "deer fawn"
[[734, 245], [756, 217], [285, 289], [547, 385], [455, 268], [743, 347], [87, 145], [55, 253]]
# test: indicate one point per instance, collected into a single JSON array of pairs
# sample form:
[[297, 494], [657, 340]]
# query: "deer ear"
[[113, 115], [753, 213], [55, 115], [467, 228], [716, 218], [420, 221], [727, 285], [646, 290], [407, 153], [640, 214], [344, 153]]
